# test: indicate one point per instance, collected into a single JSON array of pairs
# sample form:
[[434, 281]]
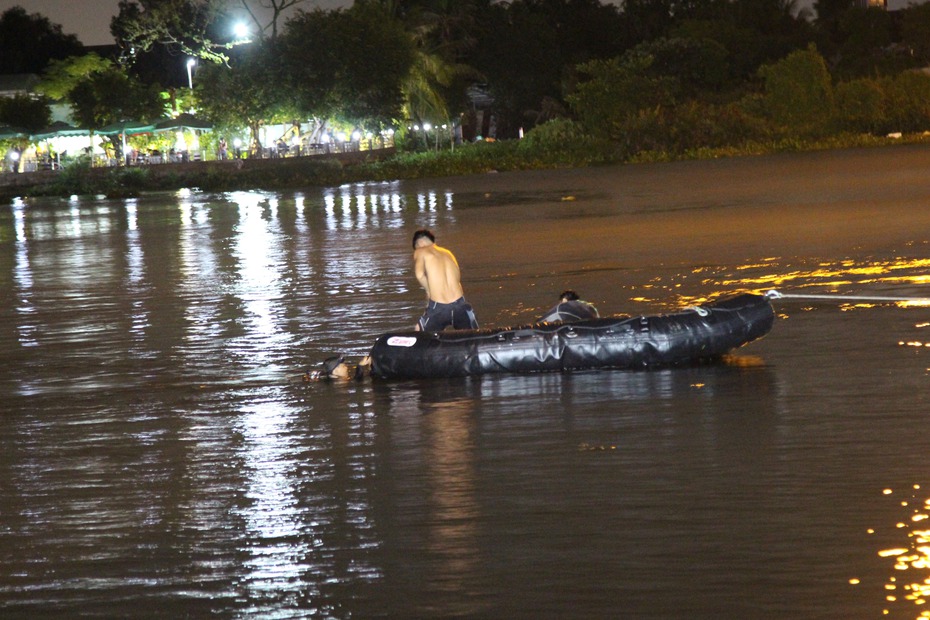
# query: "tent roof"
[[60, 128], [126, 127], [183, 121]]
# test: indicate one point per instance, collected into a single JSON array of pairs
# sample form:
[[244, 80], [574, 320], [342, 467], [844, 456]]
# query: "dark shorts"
[[457, 315]]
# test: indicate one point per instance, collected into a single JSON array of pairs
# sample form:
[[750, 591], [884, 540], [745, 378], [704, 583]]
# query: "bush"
[[799, 92], [74, 177], [860, 107], [563, 141], [907, 102], [617, 91]]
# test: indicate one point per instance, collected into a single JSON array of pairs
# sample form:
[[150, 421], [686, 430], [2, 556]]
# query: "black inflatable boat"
[[691, 336]]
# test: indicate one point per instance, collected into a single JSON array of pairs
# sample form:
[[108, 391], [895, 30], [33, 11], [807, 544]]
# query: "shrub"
[[799, 92], [563, 141], [907, 102], [860, 106]]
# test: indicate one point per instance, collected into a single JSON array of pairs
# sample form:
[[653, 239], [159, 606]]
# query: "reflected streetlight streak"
[[135, 266], [277, 550], [23, 279]]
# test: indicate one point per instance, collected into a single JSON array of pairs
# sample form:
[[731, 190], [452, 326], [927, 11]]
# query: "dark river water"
[[160, 456]]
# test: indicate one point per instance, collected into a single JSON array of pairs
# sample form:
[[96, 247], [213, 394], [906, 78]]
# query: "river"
[[160, 455]]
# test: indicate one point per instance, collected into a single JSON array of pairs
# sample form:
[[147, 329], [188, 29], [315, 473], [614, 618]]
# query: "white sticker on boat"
[[401, 341]]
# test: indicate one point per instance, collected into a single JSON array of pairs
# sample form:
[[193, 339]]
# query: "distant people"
[[282, 147], [569, 309], [224, 149], [336, 368], [438, 273]]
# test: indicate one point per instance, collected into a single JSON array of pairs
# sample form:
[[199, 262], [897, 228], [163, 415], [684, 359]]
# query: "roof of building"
[[12, 84]]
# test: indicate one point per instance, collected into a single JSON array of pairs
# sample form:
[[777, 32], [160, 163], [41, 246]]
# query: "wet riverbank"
[[232, 174]]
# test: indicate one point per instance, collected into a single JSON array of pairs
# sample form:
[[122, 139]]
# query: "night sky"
[[90, 19]]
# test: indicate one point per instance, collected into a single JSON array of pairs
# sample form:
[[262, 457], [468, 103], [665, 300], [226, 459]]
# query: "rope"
[[773, 294]]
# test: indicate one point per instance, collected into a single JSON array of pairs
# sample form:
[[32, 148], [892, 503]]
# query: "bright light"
[[241, 30], [190, 76], [340, 137], [356, 136], [14, 155], [427, 126], [237, 143]]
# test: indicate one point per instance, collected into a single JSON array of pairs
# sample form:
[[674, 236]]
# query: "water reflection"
[[903, 277], [22, 278], [906, 543], [278, 551], [450, 453], [147, 346]]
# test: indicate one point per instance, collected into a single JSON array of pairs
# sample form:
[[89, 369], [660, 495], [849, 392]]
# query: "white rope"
[[773, 294]]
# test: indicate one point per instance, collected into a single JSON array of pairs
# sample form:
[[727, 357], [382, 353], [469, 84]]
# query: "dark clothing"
[[570, 311], [459, 315]]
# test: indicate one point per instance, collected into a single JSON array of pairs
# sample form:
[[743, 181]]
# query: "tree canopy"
[[347, 63], [29, 42], [382, 63], [182, 26]]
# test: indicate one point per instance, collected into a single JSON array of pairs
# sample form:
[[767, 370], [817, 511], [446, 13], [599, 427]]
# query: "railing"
[[32, 164]]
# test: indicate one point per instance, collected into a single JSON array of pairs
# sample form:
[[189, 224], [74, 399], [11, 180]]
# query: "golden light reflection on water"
[[908, 586], [900, 278]]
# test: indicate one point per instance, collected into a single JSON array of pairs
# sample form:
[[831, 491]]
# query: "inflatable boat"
[[691, 336]]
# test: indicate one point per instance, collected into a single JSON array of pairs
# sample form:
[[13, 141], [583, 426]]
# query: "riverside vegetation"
[[635, 108]]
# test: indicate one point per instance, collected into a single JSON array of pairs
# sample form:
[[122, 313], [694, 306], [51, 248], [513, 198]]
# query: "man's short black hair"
[[569, 295], [420, 234]]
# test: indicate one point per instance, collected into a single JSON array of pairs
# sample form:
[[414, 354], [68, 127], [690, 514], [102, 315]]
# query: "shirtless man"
[[438, 274]]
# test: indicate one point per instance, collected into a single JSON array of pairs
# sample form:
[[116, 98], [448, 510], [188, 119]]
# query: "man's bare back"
[[438, 273]]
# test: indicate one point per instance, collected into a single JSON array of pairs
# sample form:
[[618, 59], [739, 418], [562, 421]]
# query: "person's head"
[[422, 238], [335, 367], [332, 368], [569, 295]]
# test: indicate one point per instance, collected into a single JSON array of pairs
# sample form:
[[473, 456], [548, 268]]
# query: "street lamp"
[[190, 77], [241, 32]]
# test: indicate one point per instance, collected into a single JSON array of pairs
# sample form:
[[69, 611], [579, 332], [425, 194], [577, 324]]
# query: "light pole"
[[241, 32], [190, 76]]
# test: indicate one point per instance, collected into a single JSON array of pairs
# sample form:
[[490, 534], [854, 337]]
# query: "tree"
[[29, 42], [246, 92], [30, 113], [183, 26], [348, 63], [697, 65], [528, 50], [915, 31], [112, 96], [63, 75], [277, 8], [827, 25], [863, 36]]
